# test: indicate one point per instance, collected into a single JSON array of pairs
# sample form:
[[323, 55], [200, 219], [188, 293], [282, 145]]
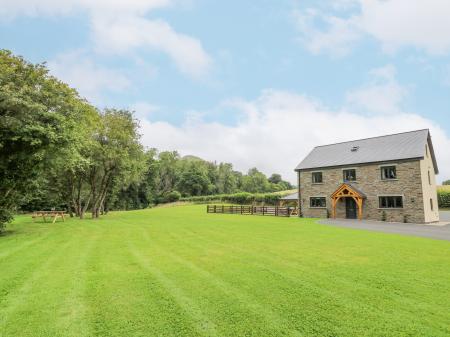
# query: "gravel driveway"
[[426, 231]]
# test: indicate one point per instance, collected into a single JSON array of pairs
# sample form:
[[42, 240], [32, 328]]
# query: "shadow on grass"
[[7, 232]]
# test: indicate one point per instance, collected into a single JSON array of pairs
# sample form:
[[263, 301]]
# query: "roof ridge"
[[382, 136]]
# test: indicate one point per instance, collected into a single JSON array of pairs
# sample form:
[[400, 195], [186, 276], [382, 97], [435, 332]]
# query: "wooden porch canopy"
[[348, 191]]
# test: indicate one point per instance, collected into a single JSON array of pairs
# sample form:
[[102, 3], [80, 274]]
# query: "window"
[[429, 178], [388, 172], [318, 202], [349, 175], [391, 202], [431, 204], [317, 177]]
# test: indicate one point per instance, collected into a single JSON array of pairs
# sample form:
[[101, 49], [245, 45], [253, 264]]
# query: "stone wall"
[[408, 184]]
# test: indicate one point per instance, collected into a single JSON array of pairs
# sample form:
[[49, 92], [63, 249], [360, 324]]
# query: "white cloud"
[[91, 80], [121, 26], [144, 110], [336, 40], [279, 129], [122, 34], [382, 95], [394, 23]]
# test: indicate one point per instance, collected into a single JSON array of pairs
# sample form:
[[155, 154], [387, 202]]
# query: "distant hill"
[[192, 158]]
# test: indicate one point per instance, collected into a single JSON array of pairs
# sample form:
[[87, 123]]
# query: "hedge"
[[242, 198], [444, 198]]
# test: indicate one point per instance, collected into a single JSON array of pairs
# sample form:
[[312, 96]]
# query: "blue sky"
[[255, 83]]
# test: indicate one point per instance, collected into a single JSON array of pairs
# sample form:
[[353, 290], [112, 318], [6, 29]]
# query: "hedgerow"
[[444, 198], [241, 198]]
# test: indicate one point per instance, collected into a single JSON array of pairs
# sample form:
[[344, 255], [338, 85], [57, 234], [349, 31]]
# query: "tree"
[[117, 157], [255, 182], [227, 180], [193, 179], [167, 171], [447, 182], [39, 124], [275, 178]]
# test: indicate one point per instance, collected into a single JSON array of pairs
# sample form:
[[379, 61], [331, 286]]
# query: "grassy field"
[[181, 272]]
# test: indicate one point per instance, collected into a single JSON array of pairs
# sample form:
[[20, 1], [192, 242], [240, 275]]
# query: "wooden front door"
[[350, 208]]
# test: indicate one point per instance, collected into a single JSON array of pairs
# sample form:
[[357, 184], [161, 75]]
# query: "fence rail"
[[252, 210]]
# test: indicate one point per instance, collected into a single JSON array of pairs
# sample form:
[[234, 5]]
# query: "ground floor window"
[[431, 204], [318, 202], [391, 202]]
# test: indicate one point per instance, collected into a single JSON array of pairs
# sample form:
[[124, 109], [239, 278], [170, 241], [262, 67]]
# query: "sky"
[[254, 83]]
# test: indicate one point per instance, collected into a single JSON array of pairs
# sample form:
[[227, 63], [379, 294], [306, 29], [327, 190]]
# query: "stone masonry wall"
[[408, 184]]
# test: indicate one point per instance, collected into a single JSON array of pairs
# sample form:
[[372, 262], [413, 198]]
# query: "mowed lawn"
[[181, 272]]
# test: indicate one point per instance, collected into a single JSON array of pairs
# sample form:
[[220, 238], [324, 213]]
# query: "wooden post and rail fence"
[[253, 210]]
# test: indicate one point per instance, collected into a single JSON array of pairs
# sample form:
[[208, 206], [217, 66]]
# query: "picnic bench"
[[49, 214]]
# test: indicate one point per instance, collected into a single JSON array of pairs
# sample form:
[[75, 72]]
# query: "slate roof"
[[356, 189], [400, 146]]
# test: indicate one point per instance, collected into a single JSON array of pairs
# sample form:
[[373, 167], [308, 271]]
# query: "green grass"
[[181, 272]]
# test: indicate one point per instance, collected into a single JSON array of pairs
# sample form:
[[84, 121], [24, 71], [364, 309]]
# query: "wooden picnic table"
[[49, 214]]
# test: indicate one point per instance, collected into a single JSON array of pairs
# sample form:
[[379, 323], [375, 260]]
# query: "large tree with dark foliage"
[[41, 120]]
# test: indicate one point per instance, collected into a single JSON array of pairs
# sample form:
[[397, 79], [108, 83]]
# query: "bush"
[[5, 217], [172, 196], [444, 198]]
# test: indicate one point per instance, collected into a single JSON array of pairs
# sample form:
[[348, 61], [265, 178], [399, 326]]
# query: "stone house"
[[390, 178]]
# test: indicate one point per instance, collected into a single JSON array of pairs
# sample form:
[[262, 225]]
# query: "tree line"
[[58, 150]]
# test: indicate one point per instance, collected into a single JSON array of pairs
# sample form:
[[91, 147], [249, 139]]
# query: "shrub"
[[444, 198], [5, 217], [172, 196]]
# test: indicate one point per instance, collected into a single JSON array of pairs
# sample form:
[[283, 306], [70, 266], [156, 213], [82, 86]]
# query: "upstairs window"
[[429, 177], [317, 202], [317, 178], [391, 202], [349, 175], [388, 172]]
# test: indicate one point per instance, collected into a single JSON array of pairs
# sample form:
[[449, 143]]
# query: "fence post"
[[223, 208], [263, 210], [215, 209], [289, 211]]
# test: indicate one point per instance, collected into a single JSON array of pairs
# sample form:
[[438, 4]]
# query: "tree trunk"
[[84, 209]]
